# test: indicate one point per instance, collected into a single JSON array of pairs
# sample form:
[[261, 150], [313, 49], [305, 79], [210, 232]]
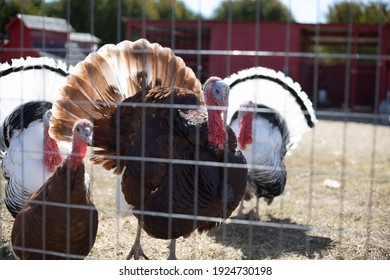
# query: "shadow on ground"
[[5, 252], [263, 242]]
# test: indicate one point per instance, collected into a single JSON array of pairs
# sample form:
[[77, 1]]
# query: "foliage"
[[102, 19], [164, 10], [10, 8], [265, 10], [359, 12], [356, 12], [105, 15]]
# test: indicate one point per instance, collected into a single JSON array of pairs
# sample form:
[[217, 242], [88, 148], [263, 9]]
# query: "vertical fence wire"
[[347, 90], [317, 38], [197, 132], [372, 171], [286, 70], [350, 59]]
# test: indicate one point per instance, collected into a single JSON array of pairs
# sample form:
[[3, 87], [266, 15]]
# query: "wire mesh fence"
[[335, 200]]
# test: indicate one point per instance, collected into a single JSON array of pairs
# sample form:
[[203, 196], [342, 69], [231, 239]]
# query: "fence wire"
[[335, 203]]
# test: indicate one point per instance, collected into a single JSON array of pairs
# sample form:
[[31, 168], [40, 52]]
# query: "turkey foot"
[[136, 250]]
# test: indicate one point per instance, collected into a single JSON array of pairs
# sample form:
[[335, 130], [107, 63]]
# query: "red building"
[[45, 36], [336, 65]]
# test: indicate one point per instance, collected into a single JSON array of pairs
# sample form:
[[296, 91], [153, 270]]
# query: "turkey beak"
[[88, 136], [225, 96], [89, 140]]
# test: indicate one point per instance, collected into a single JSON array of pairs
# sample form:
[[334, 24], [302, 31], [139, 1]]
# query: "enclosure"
[[309, 221], [335, 205]]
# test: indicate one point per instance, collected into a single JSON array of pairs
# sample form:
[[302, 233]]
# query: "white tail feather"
[[33, 78], [275, 90]]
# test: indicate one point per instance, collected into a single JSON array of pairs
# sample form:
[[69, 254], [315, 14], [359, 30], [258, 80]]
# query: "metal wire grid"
[[344, 116]]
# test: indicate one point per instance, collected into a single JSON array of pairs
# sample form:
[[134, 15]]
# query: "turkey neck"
[[51, 152], [79, 149], [217, 132], [245, 136]]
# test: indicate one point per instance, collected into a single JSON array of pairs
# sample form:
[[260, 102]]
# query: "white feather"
[[28, 80], [23, 163], [122, 207], [119, 71], [17, 87], [272, 93], [267, 148]]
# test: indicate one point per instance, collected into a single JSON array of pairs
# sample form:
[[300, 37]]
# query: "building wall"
[[53, 43], [19, 44], [280, 46], [270, 41], [49, 42], [286, 47]]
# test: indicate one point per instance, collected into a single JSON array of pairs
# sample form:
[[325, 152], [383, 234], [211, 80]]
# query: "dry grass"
[[309, 221]]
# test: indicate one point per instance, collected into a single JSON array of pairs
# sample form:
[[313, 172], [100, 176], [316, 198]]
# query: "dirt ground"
[[313, 219]]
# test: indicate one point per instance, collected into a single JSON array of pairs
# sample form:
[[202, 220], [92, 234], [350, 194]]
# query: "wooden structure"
[[45, 36], [338, 66]]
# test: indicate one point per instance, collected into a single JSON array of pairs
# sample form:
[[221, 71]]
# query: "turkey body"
[[55, 231], [29, 155], [59, 221], [175, 187], [150, 126], [269, 112], [267, 175], [27, 89], [21, 143]]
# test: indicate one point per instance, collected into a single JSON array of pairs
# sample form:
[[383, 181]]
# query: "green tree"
[[105, 14], [164, 10], [360, 12], [266, 10], [10, 8], [79, 16], [101, 19]]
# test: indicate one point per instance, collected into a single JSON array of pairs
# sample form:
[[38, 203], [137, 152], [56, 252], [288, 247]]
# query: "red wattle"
[[245, 135], [217, 133], [79, 150], [51, 156]]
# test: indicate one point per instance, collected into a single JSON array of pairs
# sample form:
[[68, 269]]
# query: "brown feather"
[[57, 229], [137, 74], [127, 120], [189, 130], [124, 67]]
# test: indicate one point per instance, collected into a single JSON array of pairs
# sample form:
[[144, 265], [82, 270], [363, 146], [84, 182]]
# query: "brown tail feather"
[[88, 91], [105, 159]]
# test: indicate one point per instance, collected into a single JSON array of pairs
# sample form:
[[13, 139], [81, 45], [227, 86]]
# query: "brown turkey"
[[174, 155], [59, 221]]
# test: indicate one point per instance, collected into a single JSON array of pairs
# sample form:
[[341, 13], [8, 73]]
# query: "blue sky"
[[304, 11]]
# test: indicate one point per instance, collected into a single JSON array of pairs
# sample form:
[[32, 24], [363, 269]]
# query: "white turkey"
[[269, 112], [29, 156]]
